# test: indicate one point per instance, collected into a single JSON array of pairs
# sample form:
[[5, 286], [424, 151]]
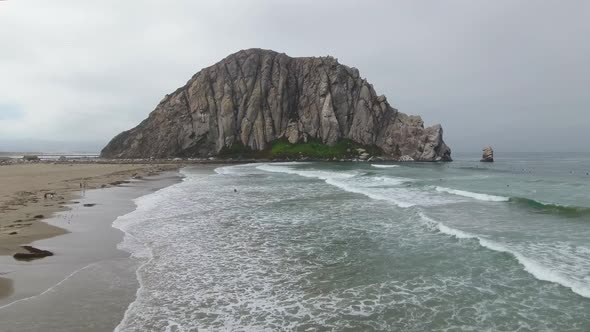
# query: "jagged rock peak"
[[255, 96]]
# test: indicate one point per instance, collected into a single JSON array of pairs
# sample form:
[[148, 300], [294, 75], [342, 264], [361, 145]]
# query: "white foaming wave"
[[393, 181], [258, 298], [145, 207], [335, 179], [240, 290], [536, 269], [384, 166], [233, 169], [243, 287], [477, 196], [226, 170], [445, 229], [391, 189], [372, 187], [322, 175], [541, 271], [382, 196], [242, 169]]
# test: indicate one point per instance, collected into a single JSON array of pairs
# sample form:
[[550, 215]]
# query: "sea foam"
[[478, 196], [337, 179], [256, 258], [384, 166], [535, 268], [390, 189]]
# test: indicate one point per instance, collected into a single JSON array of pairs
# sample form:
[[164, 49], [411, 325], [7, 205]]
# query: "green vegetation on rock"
[[313, 149]]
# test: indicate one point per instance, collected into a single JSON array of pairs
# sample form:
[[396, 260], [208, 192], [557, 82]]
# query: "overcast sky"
[[514, 74]]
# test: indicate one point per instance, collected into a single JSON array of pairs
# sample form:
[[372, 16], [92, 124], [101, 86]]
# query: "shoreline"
[[89, 273], [90, 281], [24, 209]]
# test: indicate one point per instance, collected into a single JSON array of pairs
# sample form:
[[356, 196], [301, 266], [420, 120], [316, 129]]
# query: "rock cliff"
[[255, 97], [487, 155]]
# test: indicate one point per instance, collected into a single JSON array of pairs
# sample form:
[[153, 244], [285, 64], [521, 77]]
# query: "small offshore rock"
[[488, 155]]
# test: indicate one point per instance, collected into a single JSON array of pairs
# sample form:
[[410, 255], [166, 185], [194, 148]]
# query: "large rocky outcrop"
[[255, 96]]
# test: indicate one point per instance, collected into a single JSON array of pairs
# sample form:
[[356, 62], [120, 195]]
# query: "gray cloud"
[[512, 74]]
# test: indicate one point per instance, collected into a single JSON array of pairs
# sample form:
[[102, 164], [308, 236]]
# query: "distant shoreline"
[[180, 162]]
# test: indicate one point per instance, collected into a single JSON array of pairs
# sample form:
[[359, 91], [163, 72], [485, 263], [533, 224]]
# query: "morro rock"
[[256, 97], [488, 155]]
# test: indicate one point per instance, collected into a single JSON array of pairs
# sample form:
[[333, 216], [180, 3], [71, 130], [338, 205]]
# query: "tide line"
[[50, 288]]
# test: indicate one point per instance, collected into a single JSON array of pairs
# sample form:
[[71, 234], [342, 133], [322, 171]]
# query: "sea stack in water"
[[254, 98], [488, 155]]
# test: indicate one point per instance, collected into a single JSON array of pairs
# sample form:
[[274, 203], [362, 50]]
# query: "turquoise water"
[[459, 246]]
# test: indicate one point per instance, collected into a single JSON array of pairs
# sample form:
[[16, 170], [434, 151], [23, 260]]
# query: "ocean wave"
[[367, 191], [225, 170], [536, 269], [378, 188], [390, 181], [233, 169], [323, 175], [335, 179], [384, 166], [537, 206], [139, 249], [478, 196], [551, 208]]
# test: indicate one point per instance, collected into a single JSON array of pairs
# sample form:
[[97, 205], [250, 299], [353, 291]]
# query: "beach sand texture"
[[23, 204]]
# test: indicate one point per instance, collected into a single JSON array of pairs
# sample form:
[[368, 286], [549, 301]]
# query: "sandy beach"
[[30, 193]]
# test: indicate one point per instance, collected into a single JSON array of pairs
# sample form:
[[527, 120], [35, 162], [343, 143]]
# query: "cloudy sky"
[[514, 74]]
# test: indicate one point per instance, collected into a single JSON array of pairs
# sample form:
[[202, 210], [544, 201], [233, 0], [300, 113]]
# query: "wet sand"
[[23, 187], [89, 282], [6, 287], [24, 207]]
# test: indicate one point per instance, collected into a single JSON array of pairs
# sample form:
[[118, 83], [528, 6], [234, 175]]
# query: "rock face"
[[254, 97], [488, 155]]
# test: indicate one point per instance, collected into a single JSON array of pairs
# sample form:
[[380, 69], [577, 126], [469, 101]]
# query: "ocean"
[[461, 246]]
